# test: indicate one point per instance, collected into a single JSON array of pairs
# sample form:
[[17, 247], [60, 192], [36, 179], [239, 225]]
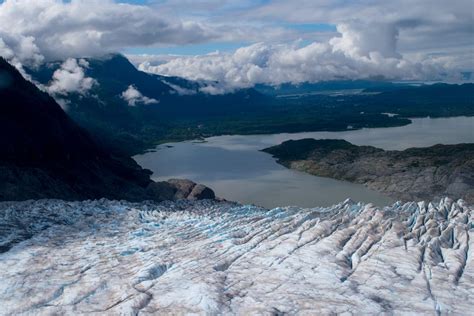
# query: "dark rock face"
[[201, 192], [44, 154], [161, 190], [411, 174], [179, 189], [183, 187]]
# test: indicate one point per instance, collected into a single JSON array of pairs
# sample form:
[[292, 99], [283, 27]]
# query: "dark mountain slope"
[[115, 73], [131, 129], [44, 154], [34, 128]]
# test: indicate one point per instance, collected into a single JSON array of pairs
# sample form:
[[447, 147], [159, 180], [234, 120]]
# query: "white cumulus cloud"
[[20, 50], [134, 97], [70, 77], [283, 40], [361, 51]]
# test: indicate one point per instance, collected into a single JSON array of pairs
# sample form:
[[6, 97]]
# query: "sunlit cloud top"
[[241, 43]]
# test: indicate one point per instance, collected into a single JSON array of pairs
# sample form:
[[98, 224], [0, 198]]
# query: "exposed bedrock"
[[412, 174], [176, 189]]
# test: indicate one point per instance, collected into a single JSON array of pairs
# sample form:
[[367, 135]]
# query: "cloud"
[[432, 25], [362, 39], [81, 28], [134, 97], [20, 50], [70, 78], [399, 39], [362, 51], [384, 41], [180, 90]]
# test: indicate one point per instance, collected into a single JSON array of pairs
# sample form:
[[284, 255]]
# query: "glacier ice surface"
[[209, 257]]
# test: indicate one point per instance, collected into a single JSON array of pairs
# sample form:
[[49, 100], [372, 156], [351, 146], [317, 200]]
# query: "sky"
[[242, 43]]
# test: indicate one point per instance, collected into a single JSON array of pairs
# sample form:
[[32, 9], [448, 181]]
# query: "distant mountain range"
[[129, 110], [323, 86]]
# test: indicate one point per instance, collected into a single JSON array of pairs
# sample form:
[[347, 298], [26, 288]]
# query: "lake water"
[[236, 170]]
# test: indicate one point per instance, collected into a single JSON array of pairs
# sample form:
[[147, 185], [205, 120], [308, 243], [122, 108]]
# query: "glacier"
[[216, 257]]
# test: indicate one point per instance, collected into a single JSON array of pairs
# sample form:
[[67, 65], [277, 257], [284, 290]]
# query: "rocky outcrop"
[[44, 154], [176, 189], [212, 258], [411, 174]]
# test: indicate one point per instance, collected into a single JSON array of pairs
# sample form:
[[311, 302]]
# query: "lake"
[[236, 169]]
